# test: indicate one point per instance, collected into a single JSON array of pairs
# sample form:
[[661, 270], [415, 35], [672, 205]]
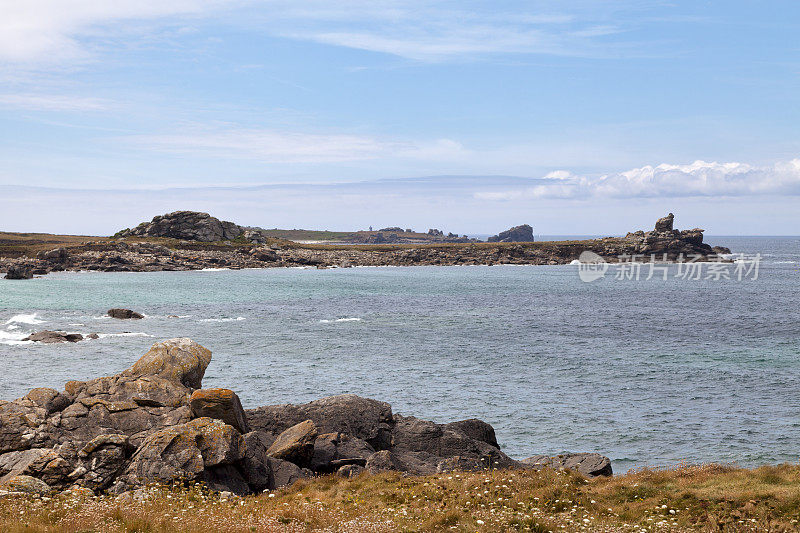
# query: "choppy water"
[[649, 372]]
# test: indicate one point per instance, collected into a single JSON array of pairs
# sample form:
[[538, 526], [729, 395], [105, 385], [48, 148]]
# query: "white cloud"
[[266, 145], [50, 31], [54, 32], [427, 31], [699, 179], [53, 102], [276, 146]]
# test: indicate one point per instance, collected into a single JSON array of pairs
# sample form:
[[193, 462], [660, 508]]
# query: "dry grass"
[[29, 244], [704, 498]]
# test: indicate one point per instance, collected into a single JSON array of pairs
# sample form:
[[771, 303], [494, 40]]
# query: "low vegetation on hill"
[[687, 498]]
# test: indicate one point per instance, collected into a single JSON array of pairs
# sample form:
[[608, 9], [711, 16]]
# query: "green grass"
[[684, 498]]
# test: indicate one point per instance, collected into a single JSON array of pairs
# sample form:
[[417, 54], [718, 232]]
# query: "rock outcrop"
[[663, 240], [53, 337], [154, 423], [19, 272], [523, 233], [187, 225], [124, 314]]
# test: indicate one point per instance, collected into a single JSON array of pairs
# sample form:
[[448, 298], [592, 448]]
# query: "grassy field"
[[687, 498]]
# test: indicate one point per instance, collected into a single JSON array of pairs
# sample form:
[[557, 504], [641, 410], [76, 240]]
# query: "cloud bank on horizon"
[[312, 103], [698, 179]]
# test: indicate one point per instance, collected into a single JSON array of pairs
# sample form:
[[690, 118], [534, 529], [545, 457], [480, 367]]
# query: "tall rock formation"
[[523, 233]]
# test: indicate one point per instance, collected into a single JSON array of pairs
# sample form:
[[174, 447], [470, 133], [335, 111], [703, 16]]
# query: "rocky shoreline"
[[126, 254], [154, 423]]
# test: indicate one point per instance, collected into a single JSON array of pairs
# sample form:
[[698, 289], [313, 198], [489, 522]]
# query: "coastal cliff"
[[154, 423]]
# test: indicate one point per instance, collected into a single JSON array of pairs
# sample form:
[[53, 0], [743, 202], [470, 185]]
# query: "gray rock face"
[[523, 233], [347, 413], [332, 451], [186, 225], [19, 272]]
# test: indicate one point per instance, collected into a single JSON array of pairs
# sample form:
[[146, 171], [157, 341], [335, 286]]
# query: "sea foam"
[[25, 319]]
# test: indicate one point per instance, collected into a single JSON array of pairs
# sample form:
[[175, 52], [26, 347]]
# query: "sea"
[[651, 372]]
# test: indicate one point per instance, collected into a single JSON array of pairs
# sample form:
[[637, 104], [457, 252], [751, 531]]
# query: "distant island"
[[190, 240]]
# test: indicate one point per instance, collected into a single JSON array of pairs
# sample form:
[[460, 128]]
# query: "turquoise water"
[[649, 372]]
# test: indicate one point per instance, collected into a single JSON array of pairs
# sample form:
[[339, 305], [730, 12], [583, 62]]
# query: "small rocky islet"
[[154, 423], [187, 240]]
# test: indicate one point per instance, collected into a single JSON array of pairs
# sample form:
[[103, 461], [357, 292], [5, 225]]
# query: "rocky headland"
[[154, 423], [138, 251]]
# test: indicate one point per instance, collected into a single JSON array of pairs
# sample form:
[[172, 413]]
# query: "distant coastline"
[[213, 244]]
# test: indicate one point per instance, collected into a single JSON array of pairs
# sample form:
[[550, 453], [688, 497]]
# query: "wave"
[[6, 337], [212, 269], [125, 334], [223, 319], [351, 319], [25, 319]]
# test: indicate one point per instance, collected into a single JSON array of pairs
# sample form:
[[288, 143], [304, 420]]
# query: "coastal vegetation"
[[683, 498]]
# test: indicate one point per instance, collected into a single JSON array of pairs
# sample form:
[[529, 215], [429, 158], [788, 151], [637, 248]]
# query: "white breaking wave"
[[223, 319], [125, 334], [25, 319], [352, 319], [6, 337], [212, 269]]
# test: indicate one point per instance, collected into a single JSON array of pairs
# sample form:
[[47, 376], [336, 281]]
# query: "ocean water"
[[650, 373]]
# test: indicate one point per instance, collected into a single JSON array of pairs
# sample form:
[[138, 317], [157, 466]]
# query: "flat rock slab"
[[53, 337]]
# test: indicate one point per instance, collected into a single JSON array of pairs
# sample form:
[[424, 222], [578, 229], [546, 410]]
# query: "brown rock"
[[181, 360], [222, 404], [664, 225]]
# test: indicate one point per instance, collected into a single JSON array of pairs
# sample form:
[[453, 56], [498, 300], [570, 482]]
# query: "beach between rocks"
[[154, 423]]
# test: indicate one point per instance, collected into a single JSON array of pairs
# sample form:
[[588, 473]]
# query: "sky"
[[577, 117]]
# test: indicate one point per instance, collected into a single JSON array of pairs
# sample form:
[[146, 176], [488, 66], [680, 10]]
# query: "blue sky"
[[609, 112]]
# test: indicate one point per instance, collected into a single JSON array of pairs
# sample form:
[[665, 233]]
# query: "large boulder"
[[186, 225], [187, 451], [296, 444], [181, 360], [222, 404], [523, 233]]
